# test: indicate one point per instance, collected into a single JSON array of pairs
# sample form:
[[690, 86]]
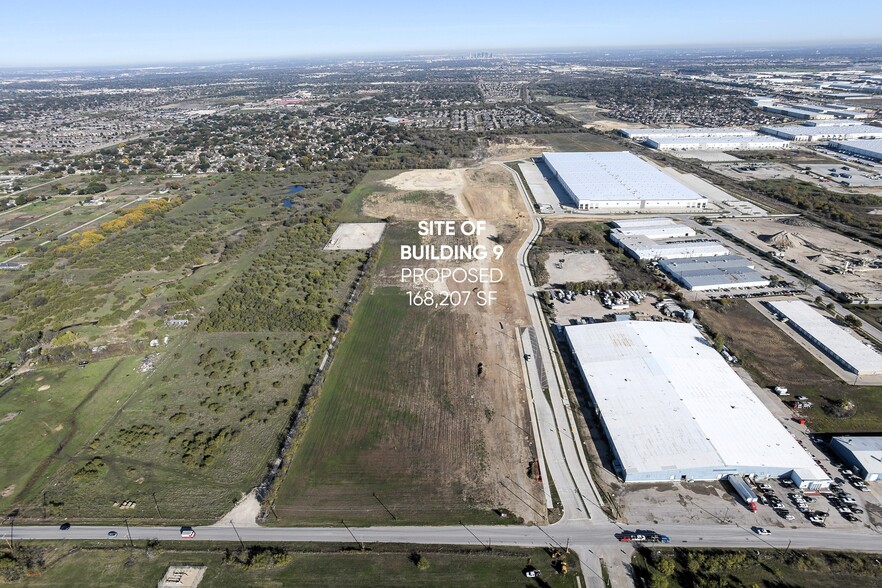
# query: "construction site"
[[845, 265]]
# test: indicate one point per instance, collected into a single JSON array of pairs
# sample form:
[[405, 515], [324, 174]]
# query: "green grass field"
[[53, 424], [380, 425], [767, 568], [351, 211], [317, 565]]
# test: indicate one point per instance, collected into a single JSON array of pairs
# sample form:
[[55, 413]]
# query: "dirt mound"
[[43, 388], [821, 259], [796, 221], [7, 492], [782, 239]]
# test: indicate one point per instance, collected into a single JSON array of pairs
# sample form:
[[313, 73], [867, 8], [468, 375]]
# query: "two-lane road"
[[597, 534]]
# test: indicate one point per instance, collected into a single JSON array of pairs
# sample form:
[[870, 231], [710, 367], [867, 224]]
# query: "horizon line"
[[460, 52]]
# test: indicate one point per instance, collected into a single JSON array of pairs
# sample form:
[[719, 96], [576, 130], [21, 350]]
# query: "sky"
[[99, 32]]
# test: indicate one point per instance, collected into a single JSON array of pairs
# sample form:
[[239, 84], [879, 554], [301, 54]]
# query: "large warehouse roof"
[[867, 147], [755, 141], [641, 244], [712, 273], [652, 228], [615, 176], [832, 339], [687, 132], [818, 133], [673, 407]]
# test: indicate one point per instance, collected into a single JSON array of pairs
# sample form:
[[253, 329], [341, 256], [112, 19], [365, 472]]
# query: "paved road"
[[595, 535], [563, 451]]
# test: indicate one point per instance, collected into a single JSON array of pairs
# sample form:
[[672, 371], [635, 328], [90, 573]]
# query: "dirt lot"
[[818, 252], [579, 267], [512, 148], [411, 422], [590, 115], [355, 236]]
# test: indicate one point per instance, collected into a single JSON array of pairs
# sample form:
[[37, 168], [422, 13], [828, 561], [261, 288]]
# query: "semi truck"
[[743, 490]]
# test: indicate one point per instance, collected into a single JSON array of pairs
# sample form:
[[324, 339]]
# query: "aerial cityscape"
[[394, 298]]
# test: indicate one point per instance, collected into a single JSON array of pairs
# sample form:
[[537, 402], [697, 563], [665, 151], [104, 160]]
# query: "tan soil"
[[497, 414], [43, 388], [7, 492]]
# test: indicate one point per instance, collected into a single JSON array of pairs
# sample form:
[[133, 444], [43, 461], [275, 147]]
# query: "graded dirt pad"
[[511, 148], [407, 428], [819, 252], [449, 181], [579, 267], [416, 195], [352, 236]]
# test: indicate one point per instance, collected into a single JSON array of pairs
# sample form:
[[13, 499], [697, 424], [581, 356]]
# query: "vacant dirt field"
[[449, 181], [408, 428], [818, 252], [774, 359]]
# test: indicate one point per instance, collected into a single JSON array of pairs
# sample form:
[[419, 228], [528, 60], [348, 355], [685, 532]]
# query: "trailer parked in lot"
[[743, 490]]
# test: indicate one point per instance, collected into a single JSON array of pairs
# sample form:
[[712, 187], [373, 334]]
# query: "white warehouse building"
[[672, 132], [716, 143], [824, 132], [836, 342], [868, 148], [714, 273], [863, 454], [674, 410], [662, 238], [619, 181]]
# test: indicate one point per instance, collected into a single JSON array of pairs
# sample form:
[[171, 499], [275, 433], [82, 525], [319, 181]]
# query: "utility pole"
[[360, 544], [129, 533], [156, 504], [235, 530]]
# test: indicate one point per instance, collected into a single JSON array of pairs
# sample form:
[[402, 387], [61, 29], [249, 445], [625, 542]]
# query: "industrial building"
[[835, 341], [703, 138], [755, 141], [824, 132], [674, 132], [714, 273], [662, 238], [868, 148], [619, 181], [815, 112], [674, 410], [863, 454], [653, 228]]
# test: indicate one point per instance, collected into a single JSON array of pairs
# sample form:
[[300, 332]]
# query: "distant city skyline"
[[112, 33]]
